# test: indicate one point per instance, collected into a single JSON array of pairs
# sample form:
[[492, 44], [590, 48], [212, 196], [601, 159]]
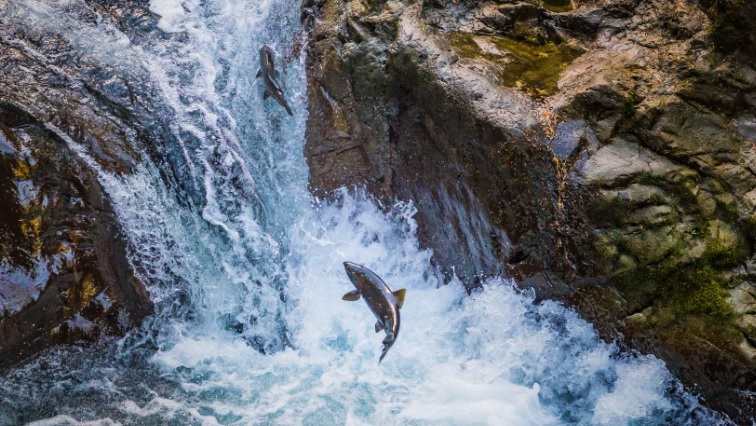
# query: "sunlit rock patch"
[[532, 67]]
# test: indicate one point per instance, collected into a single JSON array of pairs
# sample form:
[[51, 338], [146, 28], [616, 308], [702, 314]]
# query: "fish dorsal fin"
[[259, 73], [266, 95], [399, 294], [352, 296], [378, 326]]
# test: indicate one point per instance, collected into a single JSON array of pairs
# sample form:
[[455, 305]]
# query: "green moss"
[[749, 227], [694, 288], [534, 68], [648, 179], [656, 199], [557, 6], [632, 101], [729, 205], [684, 195]]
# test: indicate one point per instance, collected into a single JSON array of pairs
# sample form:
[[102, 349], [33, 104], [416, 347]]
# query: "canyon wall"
[[602, 153]]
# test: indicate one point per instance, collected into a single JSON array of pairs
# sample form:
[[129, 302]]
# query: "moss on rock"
[[533, 67], [557, 6], [692, 288]]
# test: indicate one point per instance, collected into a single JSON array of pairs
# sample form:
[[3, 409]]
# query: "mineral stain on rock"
[[557, 5], [535, 68]]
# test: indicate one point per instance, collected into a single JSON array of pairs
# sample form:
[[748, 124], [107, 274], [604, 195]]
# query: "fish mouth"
[[353, 269]]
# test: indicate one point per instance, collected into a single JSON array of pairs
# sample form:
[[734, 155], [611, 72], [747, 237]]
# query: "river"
[[245, 268]]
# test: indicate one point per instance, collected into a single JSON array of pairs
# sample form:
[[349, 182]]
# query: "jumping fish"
[[268, 73], [384, 303]]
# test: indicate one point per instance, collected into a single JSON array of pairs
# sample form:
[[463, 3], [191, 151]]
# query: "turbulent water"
[[245, 268]]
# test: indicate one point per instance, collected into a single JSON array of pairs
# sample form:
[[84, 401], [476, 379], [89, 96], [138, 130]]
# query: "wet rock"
[[99, 100], [68, 113], [64, 275]]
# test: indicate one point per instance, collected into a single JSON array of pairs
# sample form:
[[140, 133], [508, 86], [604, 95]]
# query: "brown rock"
[[64, 275]]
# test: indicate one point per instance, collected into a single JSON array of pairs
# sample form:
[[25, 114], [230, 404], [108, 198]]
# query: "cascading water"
[[246, 272]]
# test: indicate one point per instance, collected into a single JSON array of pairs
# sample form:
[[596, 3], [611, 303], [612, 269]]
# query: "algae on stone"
[[557, 6], [696, 287], [532, 67]]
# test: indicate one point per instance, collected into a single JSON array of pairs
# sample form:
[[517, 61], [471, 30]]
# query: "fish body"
[[268, 73], [384, 303]]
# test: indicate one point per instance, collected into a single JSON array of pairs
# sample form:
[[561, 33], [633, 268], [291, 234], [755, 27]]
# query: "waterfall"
[[245, 269]]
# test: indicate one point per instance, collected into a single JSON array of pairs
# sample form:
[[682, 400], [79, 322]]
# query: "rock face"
[[603, 155], [63, 266], [64, 274]]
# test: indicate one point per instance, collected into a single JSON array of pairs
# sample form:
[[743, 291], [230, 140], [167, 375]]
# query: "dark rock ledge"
[[603, 155], [64, 272], [64, 275]]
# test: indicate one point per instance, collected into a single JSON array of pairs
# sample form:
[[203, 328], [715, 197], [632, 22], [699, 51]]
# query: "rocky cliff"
[[601, 152], [64, 272]]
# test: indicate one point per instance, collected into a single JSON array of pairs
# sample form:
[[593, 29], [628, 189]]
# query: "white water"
[[250, 326]]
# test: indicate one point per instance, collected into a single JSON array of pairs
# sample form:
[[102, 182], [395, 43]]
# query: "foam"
[[459, 359], [171, 14], [70, 421]]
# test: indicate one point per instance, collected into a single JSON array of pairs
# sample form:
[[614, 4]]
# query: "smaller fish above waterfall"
[[268, 73], [384, 303]]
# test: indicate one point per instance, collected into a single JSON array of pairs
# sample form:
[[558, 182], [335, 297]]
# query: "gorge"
[[539, 176]]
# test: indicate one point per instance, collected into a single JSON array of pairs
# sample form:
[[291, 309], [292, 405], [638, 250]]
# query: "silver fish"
[[268, 73], [384, 303]]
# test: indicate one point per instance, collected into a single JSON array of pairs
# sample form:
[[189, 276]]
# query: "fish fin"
[[378, 326], [266, 95], [259, 73], [284, 104], [399, 294], [352, 296], [389, 338]]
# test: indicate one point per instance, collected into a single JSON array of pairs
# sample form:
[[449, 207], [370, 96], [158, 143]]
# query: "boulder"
[[65, 120], [64, 274]]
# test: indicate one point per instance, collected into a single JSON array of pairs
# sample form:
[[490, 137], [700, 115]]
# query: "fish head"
[[358, 274], [266, 58]]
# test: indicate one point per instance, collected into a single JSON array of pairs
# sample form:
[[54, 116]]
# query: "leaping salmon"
[[268, 73], [384, 303]]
